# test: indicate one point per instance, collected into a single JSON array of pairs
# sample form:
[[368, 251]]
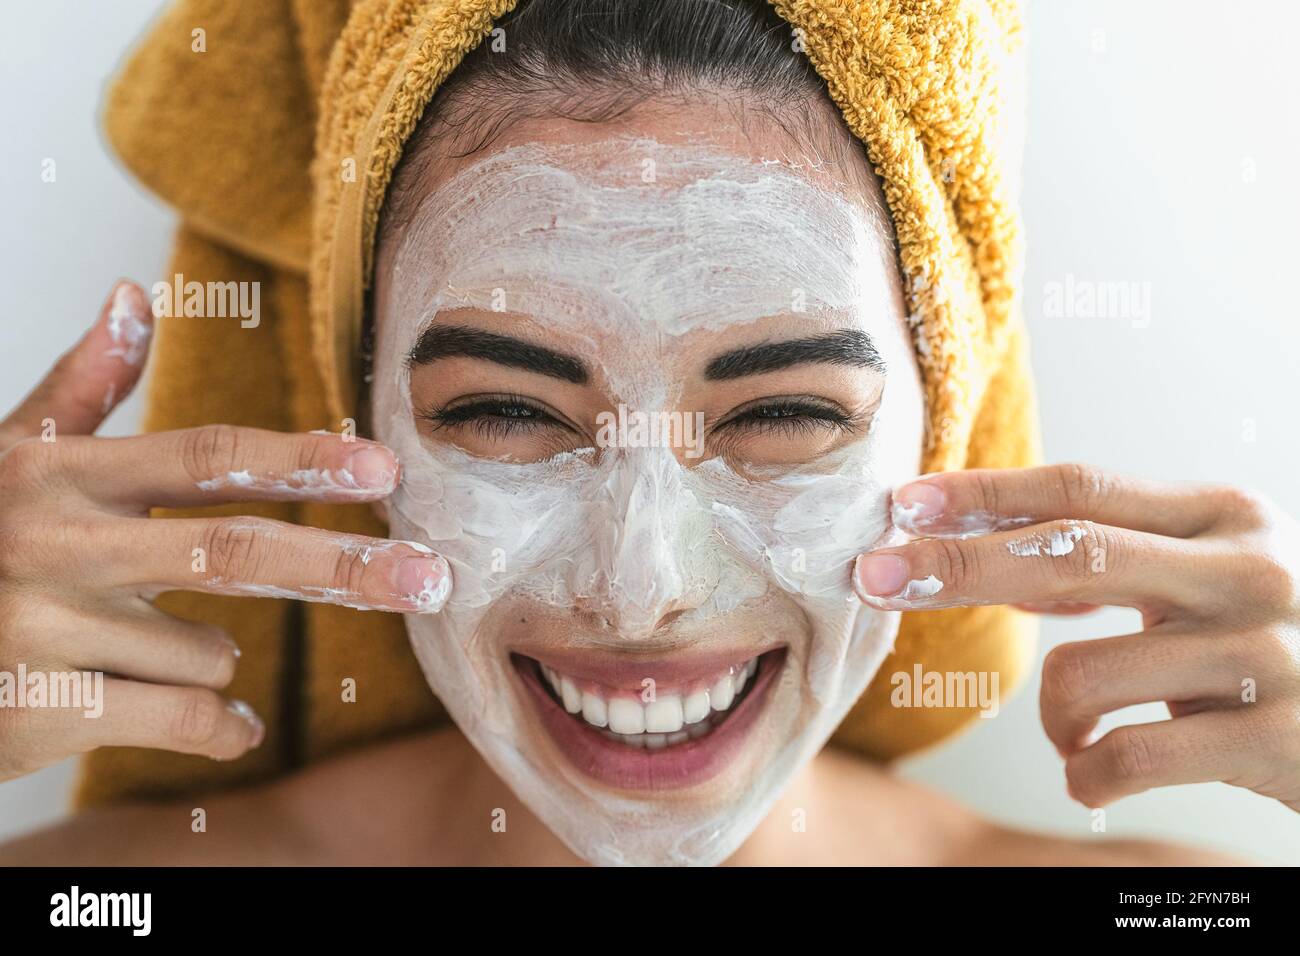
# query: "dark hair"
[[593, 60]]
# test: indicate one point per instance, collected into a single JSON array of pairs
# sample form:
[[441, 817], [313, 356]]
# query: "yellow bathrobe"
[[246, 116]]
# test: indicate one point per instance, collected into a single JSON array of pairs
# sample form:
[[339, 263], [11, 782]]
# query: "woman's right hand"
[[81, 560]]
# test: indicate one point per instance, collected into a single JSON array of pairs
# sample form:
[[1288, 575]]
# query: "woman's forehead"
[[814, 141], [633, 235]]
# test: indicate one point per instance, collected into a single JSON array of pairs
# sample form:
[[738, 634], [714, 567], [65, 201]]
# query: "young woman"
[[641, 345]]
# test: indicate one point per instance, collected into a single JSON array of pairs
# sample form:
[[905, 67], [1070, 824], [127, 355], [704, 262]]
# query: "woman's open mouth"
[[649, 733]]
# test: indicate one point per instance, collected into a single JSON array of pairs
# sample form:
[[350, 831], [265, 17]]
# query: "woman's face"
[[650, 383]]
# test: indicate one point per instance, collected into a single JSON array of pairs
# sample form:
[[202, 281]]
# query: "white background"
[[1162, 150]]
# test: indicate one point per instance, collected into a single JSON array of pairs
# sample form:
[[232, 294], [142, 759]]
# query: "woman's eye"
[[791, 416], [494, 416], [776, 430]]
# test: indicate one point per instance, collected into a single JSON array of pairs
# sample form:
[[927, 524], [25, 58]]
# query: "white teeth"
[[571, 695], [664, 716], [739, 679], [593, 709], [671, 719], [626, 716], [695, 707], [723, 693]]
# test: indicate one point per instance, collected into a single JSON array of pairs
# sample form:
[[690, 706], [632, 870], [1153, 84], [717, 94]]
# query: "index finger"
[[983, 500], [217, 464], [1070, 561]]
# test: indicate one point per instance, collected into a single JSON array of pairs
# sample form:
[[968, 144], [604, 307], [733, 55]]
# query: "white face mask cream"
[[685, 636]]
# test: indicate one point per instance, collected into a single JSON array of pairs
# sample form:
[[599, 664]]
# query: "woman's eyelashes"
[[792, 416], [493, 416], [775, 429], [784, 431], [505, 426]]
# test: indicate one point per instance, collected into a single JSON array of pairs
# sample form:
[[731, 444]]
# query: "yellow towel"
[[243, 115]]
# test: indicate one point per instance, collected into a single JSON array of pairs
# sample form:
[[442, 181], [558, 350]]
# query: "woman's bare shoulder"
[[1005, 847], [387, 804], [919, 814], [340, 810]]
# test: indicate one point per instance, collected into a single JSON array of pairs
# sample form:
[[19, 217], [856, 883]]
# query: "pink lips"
[[633, 768]]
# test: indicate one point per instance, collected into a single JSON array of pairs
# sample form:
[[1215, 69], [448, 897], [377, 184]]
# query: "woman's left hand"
[[1214, 571]]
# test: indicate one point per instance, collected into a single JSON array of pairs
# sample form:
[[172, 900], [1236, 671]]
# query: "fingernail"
[[917, 503], [881, 575], [241, 709], [129, 325], [373, 467], [230, 642], [424, 582]]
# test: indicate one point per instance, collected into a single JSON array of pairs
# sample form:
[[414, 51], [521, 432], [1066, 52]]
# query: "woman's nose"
[[606, 616], [656, 524]]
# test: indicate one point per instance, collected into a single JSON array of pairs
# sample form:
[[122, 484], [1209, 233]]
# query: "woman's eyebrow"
[[851, 347], [444, 341]]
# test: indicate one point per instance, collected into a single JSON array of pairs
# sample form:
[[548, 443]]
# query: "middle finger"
[[259, 557]]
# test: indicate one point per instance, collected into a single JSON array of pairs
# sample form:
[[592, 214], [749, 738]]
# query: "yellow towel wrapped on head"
[[248, 138]]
